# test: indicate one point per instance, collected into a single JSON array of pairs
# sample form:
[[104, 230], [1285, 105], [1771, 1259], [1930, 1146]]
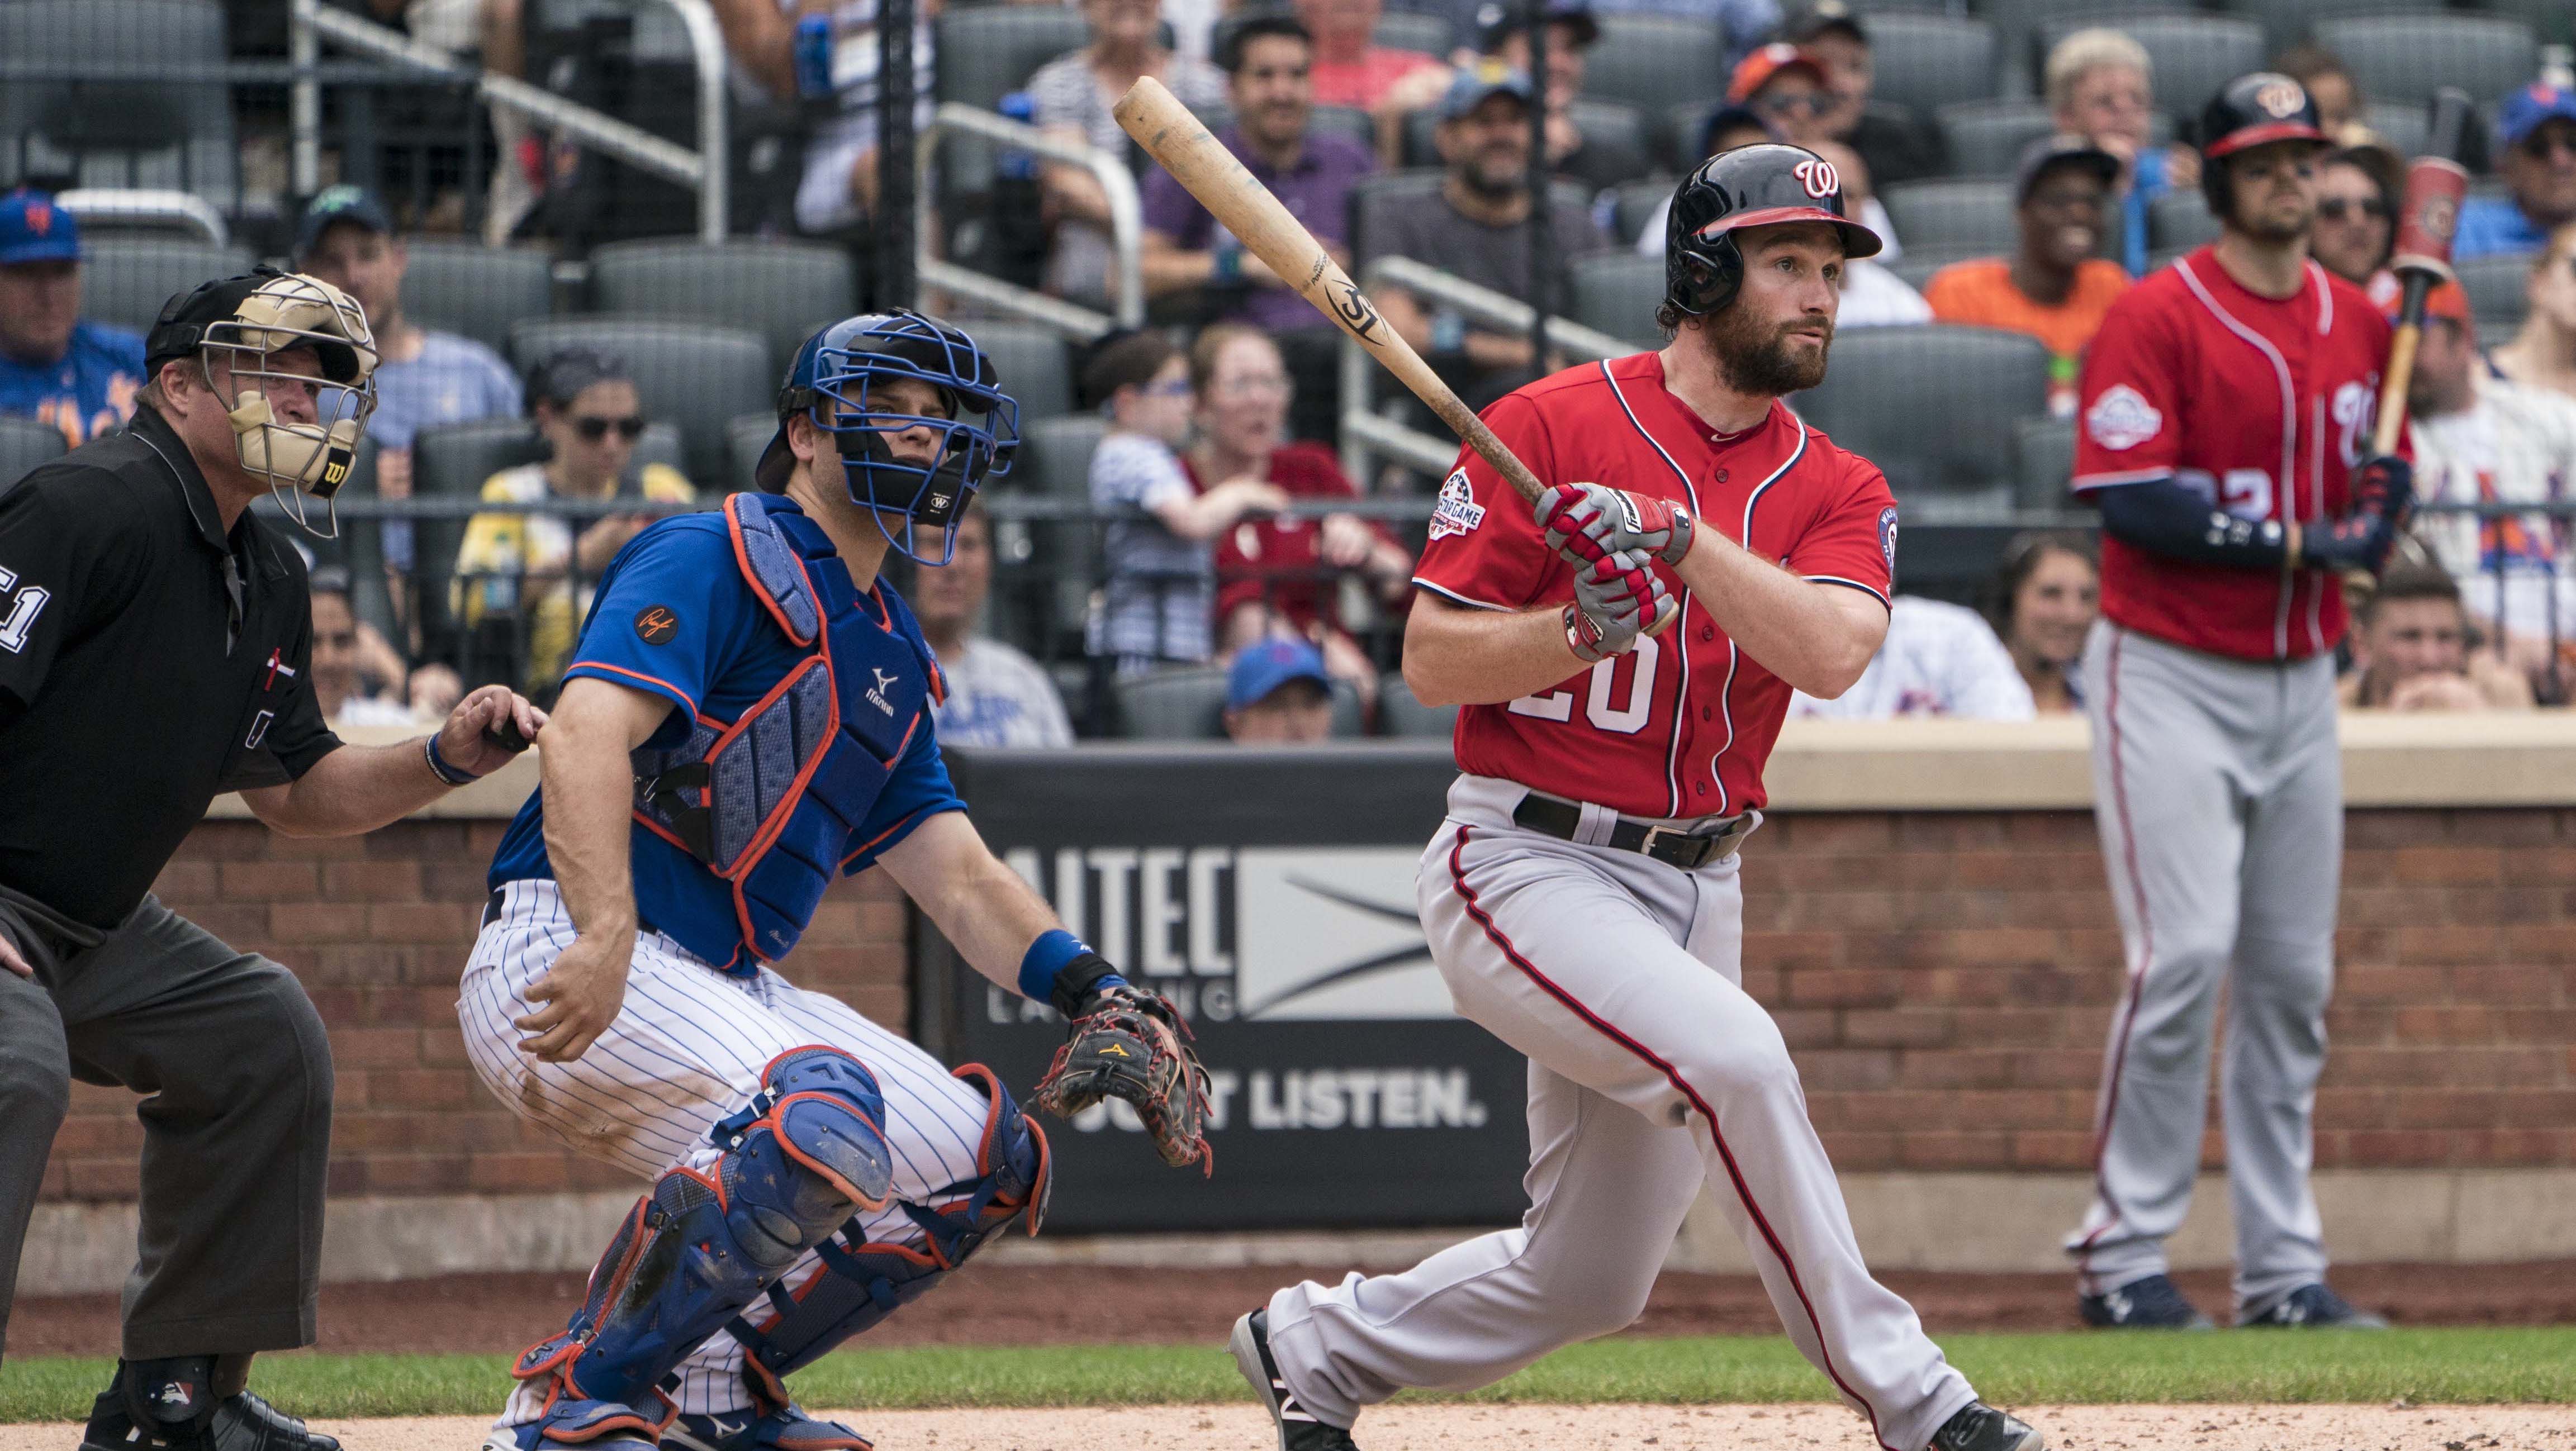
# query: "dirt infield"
[[1006, 1304], [1596, 1428]]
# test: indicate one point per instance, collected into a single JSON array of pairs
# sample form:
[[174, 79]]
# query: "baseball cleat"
[[2313, 1307], [1980, 1427], [2152, 1303], [787, 1429], [1298, 1428], [242, 1422]]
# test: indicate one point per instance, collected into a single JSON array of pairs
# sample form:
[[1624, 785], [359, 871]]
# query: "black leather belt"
[[492, 913], [1674, 846]]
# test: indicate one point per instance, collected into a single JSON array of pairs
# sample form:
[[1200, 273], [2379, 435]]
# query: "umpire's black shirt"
[[148, 662]]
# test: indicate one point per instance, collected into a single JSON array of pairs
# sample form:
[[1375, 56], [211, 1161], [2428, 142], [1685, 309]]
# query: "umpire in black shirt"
[[155, 638]]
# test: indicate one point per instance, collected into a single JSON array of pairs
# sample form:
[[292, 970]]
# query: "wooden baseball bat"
[[1243, 206], [2435, 184]]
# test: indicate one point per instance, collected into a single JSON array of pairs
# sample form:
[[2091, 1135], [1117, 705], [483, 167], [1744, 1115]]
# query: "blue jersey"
[[674, 616], [87, 392]]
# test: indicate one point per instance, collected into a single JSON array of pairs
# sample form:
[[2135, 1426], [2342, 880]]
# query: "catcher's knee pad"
[[807, 1152], [863, 1281]]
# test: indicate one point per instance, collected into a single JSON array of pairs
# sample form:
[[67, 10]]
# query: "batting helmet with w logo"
[[1750, 186]]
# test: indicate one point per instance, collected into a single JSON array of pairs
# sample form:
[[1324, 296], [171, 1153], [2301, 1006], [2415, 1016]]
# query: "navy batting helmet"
[[2250, 111], [1750, 186], [834, 382]]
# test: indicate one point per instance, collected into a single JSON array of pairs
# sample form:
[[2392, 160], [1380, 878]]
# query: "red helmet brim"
[[1858, 241]]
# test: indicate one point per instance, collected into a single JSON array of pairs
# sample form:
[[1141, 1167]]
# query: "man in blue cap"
[[80, 377], [1277, 694], [2536, 127]]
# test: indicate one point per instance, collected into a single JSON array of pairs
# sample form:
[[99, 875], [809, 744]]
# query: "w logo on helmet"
[[1820, 179]]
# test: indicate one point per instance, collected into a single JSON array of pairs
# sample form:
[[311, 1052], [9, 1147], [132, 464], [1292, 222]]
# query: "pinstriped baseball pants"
[[1651, 1074]]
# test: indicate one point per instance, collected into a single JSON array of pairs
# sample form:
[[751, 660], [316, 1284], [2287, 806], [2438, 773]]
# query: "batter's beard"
[[1754, 358]]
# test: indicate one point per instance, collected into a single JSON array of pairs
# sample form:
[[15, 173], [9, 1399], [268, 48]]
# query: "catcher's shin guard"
[[799, 1159], [861, 1283]]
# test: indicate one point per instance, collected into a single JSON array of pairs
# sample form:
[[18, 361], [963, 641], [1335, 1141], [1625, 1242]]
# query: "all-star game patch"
[[1457, 512], [656, 624]]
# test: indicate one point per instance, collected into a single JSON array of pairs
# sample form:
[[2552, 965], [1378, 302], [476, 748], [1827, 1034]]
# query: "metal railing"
[[1367, 434], [703, 170], [148, 206], [1126, 227]]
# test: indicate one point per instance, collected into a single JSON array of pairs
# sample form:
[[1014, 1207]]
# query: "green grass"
[[2455, 1366]]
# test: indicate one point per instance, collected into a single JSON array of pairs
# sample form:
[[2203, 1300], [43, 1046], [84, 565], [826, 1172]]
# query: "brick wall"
[[1945, 979]]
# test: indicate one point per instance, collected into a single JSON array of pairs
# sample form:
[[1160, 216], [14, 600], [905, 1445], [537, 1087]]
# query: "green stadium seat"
[[474, 290], [781, 290], [25, 443], [126, 281], [1935, 407]]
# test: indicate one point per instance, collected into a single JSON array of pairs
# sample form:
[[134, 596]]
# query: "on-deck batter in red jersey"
[[1681, 725], [2263, 404]]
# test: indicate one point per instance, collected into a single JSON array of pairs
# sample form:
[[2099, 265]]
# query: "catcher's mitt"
[[1128, 1042]]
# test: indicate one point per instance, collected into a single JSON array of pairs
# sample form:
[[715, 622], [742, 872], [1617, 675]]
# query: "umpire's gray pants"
[[2218, 787], [236, 1075]]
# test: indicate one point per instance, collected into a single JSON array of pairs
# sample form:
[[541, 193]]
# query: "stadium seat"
[[25, 443], [694, 375], [1926, 62], [2552, 22], [1655, 63], [1986, 138], [1055, 463], [478, 291], [2287, 22], [126, 281], [1617, 292], [2497, 297], [989, 50], [1635, 204], [2406, 126], [782, 290], [2045, 451], [165, 131], [1188, 704], [2179, 221], [746, 436], [1399, 714], [1974, 214], [1409, 30], [2193, 55], [2404, 57], [1935, 408], [1034, 364]]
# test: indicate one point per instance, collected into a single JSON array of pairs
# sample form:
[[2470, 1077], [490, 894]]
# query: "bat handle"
[[1664, 617]]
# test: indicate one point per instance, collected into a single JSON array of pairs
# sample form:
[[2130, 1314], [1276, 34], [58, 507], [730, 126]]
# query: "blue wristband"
[[1045, 958], [439, 767]]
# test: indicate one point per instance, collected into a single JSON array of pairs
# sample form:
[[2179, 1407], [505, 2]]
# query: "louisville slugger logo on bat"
[[1353, 309]]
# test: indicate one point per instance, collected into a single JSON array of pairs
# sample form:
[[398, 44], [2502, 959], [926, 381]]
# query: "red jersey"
[[1681, 725], [1281, 561], [2262, 405]]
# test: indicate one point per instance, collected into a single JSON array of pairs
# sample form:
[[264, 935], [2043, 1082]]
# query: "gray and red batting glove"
[[1585, 522], [1616, 599]]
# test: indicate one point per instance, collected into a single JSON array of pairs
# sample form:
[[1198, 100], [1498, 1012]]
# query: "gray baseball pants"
[[1651, 1074], [2218, 787], [236, 1077]]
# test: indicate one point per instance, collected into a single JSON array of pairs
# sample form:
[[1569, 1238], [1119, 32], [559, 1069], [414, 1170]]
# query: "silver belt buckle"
[[1647, 847]]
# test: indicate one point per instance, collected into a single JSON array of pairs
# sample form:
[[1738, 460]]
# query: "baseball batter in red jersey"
[[1582, 900], [2227, 413]]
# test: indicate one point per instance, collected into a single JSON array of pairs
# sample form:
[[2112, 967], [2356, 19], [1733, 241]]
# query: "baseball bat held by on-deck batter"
[[1243, 206]]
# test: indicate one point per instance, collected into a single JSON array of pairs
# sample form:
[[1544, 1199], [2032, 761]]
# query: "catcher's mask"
[[836, 381], [236, 329]]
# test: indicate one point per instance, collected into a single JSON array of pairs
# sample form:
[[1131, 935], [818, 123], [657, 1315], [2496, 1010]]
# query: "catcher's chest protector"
[[768, 801]]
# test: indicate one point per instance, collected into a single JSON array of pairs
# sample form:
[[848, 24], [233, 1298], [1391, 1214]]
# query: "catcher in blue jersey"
[[747, 714]]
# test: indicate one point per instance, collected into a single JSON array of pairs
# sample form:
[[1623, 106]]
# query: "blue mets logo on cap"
[[34, 229]]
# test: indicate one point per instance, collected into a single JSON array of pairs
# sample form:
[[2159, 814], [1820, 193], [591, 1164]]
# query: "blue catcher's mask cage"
[[838, 382]]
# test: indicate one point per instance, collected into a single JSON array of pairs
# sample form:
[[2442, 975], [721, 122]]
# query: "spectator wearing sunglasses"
[[2537, 129], [541, 567], [2356, 199], [1789, 88]]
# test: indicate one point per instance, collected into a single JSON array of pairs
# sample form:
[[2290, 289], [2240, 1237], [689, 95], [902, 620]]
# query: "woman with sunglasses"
[[540, 567]]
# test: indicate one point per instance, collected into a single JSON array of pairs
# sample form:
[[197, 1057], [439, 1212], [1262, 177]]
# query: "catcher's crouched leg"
[[861, 1282], [805, 1154]]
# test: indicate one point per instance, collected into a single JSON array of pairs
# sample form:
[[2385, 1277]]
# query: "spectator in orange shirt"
[[2053, 288], [1351, 69]]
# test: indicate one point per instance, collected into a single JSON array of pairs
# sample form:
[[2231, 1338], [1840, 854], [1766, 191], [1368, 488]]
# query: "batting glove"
[[1616, 599], [1584, 522], [2362, 539], [2384, 485]]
